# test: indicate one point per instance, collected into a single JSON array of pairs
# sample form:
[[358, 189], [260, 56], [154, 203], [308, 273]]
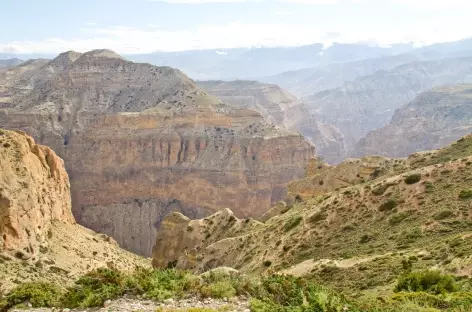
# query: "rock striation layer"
[[141, 141], [281, 108]]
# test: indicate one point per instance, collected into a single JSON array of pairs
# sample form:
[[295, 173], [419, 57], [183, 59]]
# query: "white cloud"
[[236, 34]]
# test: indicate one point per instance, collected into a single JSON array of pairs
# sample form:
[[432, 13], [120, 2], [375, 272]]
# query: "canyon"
[[141, 141]]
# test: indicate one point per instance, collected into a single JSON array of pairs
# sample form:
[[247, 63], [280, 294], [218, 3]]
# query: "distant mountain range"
[[333, 95], [229, 64], [368, 102]]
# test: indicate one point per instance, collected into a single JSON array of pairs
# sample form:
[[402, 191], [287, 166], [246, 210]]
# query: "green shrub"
[[388, 205], [412, 234], [419, 298], [288, 293], [37, 294], [94, 288], [365, 239], [443, 214], [162, 284], [425, 302], [220, 289], [318, 217], [267, 263], [465, 194], [398, 217], [292, 223], [427, 281], [257, 305], [380, 189], [428, 187], [413, 178]]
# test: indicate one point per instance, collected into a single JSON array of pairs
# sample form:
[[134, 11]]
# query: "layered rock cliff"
[[39, 239], [140, 141], [433, 119], [281, 108]]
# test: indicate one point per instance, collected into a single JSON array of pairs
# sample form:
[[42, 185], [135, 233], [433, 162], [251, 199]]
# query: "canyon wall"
[[141, 141]]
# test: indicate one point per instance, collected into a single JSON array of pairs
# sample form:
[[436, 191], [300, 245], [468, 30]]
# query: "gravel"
[[143, 305]]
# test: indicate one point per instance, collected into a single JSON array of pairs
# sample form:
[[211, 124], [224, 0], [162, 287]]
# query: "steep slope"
[[39, 239], [281, 108], [390, 214], [369, 102], [433, 119], [140, 141]]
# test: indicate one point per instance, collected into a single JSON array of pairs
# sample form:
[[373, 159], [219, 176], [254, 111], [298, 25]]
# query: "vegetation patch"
[[398, 217], [318, 217], [465, 194], [429, 281], [443, 214], [413, 178], [292, 223], [388, 205], [37, 294], [380, 189]]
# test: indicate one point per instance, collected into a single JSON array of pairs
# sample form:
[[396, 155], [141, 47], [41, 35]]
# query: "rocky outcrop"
[[432, 120], [141, 141], [281, 108], [39, 239], [322, 178], [182, 243], [34, 192]]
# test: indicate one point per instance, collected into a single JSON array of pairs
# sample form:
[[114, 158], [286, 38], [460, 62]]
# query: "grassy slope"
[[357, 238]]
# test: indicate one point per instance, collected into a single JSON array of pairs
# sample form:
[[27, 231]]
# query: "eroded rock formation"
[[182, 242], [141, 141], [34, 192]]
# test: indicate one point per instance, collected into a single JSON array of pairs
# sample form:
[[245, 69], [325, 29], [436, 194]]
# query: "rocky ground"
[[236, 304]]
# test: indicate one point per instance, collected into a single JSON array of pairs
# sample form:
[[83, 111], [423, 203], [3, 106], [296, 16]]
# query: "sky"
[[144, 26]]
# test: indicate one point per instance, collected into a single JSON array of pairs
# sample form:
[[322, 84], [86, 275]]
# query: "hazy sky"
[[141, 26]]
